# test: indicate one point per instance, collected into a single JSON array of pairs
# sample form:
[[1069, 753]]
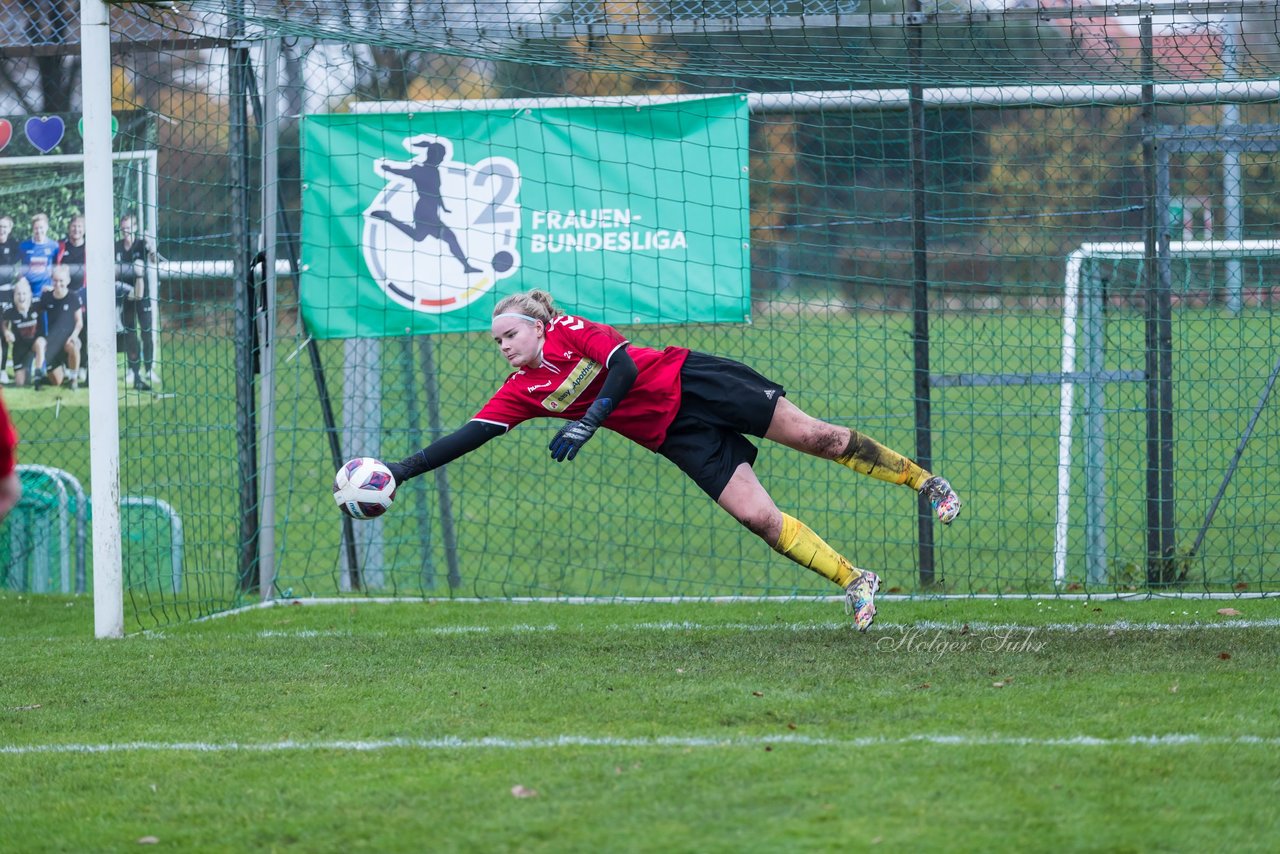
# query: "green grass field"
[[974, 725]]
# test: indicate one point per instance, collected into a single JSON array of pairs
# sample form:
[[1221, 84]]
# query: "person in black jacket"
[[71, 253], [132, 257], [10, 269]]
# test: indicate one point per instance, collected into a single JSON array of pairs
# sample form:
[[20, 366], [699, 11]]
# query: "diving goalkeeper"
[[10, 486], [692, 408]]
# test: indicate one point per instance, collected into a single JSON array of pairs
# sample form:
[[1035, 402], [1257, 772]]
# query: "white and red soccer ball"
[[364, 488]]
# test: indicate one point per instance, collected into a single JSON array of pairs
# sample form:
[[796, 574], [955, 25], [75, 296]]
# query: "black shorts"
[[22, 353], [721, 402], [54, 354]]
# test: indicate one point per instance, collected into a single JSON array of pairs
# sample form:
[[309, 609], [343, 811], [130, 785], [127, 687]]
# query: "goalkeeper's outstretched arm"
[[446, 449]]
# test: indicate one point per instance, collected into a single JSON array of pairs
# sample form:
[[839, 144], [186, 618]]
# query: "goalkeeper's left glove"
[[574, 435]]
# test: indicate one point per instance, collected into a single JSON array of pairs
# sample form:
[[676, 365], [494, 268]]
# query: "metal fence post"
[[920, 293]]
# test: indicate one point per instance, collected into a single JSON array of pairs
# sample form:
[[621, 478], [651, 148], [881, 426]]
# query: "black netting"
[[1011, 209]]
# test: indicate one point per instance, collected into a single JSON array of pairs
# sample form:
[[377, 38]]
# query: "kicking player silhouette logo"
[[442, 232], [425, 175]]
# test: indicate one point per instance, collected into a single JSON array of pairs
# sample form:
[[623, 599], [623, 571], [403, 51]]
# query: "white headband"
[[517, 314]]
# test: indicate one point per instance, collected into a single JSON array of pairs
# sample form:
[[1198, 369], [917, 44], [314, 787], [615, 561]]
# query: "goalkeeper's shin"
[[798, 542], [867, 456]]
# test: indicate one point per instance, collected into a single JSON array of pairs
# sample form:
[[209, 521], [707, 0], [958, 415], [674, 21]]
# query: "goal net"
[[869, 207]]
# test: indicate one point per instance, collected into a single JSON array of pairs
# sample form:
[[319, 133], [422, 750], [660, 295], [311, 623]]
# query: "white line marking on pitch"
[[495, 743], [973, 626], [1115, 626], [1088, 598], [923, 625]]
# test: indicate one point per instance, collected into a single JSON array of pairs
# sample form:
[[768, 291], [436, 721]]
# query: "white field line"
[[499, 743], [974, 626], [1070, 628], [678, 600]]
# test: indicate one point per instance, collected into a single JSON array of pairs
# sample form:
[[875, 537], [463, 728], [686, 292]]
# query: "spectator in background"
[[132, 257], [39, 254], [10, 267], [10, 252], [71, 253], [22, 330], [63, 319], [10, 486]]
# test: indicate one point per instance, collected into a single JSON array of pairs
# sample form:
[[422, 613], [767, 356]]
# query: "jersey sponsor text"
[[575, 384]]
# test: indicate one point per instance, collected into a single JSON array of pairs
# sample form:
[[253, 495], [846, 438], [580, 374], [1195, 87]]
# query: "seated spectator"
[[63, 315], [22, 330]]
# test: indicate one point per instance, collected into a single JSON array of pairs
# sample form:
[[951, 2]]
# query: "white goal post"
[[1083, 342]]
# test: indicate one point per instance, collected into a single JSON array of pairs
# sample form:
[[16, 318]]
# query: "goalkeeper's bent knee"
[[798, 542]]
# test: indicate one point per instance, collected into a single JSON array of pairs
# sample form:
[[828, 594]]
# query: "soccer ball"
[[364, 488]]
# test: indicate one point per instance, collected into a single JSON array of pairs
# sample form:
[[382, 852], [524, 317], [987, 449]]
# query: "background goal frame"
[[1083, 360]]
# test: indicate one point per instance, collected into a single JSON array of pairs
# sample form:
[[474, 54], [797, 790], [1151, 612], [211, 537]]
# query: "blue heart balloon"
[[45, 132]]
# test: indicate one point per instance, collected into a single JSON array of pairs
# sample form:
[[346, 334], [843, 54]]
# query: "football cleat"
[[859, 599], [942, 498]]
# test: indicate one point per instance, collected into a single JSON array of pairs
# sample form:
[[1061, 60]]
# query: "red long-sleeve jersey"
[[8, 442], [574, 356]]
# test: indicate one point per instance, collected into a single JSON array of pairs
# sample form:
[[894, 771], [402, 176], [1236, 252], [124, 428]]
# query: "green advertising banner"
[[419, 223]]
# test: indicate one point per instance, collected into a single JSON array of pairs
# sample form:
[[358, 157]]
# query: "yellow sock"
[[867, 456], [809, 550]]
